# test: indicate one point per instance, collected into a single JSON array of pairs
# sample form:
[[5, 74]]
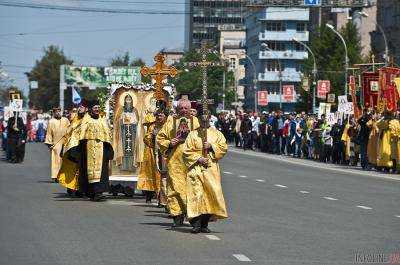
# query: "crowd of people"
[[371, 141]]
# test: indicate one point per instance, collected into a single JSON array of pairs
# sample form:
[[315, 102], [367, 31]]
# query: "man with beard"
[[203, 149], [56, 130], [95, 153], [170, 140], [16, 137], [149, 177]]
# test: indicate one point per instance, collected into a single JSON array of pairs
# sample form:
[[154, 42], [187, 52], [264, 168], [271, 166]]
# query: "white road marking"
[[304, 192], [280, 186], [364, 207], [242, 176], [125, 203], [241, 257], [330, 198], [228, 173], [398, 216], [260, 180], [212, 237]]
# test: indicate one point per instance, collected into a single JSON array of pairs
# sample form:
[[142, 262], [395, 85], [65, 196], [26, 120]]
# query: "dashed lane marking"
[[364, 207], [398, 216], [228, 173], [241, 257], [330, 198], [242, 176], [260, 180], [280, 186], [212, 237], [304, 192]]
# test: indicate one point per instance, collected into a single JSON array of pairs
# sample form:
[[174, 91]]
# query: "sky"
[[86, 38]]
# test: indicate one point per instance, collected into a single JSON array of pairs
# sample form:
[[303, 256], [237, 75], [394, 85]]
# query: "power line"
[[92, 9], [89, 31], [134, 2]]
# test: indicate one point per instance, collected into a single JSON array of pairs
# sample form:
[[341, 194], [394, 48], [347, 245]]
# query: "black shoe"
[[98, 198], [195, 230], [178, 221], [205, 230], [70, 192]]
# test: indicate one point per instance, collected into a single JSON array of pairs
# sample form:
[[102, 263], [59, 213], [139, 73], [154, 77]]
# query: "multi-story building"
[[204, 16], [231, 48], [172, 56], [277, 59], [388, 16]]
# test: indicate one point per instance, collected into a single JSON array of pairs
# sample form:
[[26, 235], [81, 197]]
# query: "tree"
[[189, 80], [47, 72], [330, 55], [125, 60]]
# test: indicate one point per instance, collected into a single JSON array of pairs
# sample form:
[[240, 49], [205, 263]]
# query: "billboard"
[[93, 76], [262, 98]]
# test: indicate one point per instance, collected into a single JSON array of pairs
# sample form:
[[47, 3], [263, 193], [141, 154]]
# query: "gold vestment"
[[177, 171], [204, 190]]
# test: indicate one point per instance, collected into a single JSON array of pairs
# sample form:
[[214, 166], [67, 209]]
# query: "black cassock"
[[16, 139], [79, 155]]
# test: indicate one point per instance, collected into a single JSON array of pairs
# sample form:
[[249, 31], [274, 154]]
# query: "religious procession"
[[197, 132]]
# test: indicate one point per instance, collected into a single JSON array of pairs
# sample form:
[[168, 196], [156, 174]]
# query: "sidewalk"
[[315, 164]]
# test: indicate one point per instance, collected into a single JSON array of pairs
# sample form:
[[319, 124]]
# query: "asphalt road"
[[280, 213]]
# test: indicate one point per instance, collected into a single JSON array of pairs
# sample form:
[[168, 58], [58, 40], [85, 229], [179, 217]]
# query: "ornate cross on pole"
[[204, 64], [159, 72]]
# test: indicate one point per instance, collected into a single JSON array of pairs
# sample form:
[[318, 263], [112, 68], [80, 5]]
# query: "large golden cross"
[[159, 72]]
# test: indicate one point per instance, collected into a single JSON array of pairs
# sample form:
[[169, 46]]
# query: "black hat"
[[93, 103]]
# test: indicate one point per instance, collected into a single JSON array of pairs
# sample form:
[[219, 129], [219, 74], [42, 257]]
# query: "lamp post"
[[280, 75], [254, 81], [314, 71], [346, 54], [363, 14]]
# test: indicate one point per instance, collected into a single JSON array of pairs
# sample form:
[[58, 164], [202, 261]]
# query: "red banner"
[[388, 91], [288, 92], [324, 87], [262, 97]]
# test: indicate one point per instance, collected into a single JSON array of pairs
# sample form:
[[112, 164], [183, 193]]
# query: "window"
[[273, 66], [275, 26], [276, 45], [301, 26], [232, 63], [299, 47]]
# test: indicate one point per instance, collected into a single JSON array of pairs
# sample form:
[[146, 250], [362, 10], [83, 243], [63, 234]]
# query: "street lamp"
[[363, 14], [254, 81], [314, 71], [280, 74], [346, 54]]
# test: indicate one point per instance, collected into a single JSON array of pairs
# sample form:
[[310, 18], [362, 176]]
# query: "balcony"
[[274, 98], [287, 35], [284, 55], [288, 75]]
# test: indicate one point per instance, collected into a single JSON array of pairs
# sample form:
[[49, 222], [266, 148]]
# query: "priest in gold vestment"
[[372, 147], [205, 199], [170, 140], [92, 151], [68, 176], [56, 130], [384, 158], [149, 178]]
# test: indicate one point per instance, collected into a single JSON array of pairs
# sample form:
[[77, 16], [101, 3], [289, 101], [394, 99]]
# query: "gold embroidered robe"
[[149, 178], [372, 148], [394, 127], [384, 158], [177, 171], [68, 176], [95, 132], [204, 190], [56, 131]]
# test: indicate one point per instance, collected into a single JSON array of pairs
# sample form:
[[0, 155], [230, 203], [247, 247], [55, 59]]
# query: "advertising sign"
[[94, 77], [262, 97], [324, 86], [288, 93]]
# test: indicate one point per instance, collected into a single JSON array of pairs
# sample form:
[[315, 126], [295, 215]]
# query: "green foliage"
[[47, 72], [189, 80], [330, 58]]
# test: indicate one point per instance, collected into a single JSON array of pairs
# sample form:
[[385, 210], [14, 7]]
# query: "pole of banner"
[[62, 85]]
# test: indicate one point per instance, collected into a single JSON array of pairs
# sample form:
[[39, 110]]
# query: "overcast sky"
[[105, 36]]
